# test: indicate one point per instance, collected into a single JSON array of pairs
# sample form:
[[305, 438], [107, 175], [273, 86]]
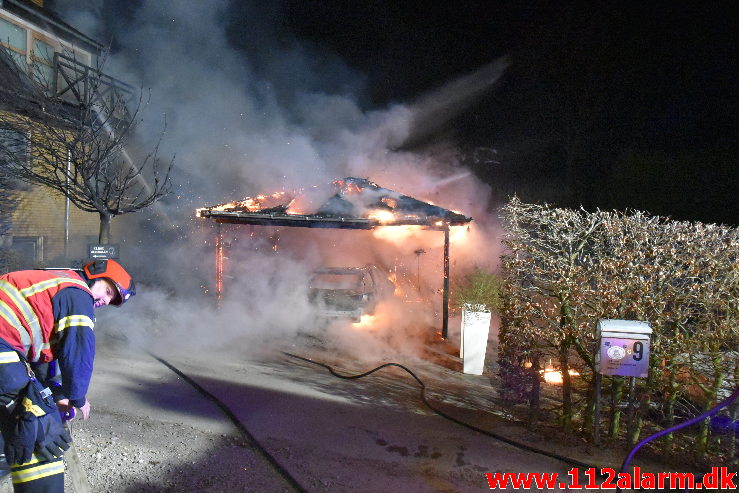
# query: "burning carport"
[[355, 203]]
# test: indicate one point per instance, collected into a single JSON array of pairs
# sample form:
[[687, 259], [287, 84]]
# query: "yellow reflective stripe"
[[9, 315], [34, 460], [32, 408], [9, 357], [28, 314], [50, 283], [37, 472], [74, 320]]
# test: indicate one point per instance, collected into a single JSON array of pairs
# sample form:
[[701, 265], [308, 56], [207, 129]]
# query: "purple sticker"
[[624, 357]]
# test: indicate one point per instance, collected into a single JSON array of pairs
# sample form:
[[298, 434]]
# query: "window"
[[15, 38], [43, 58], [43, 51], [34, 50], [29, 248]]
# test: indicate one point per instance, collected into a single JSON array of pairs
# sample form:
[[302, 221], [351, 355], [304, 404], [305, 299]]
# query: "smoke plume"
[[252, 109]]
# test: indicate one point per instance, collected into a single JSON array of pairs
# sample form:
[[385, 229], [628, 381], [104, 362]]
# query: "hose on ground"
[[697, 419], [519, 445], [236, 422]]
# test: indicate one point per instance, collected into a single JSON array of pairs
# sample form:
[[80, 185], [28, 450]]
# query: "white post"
[[66, 208], [474, 340]]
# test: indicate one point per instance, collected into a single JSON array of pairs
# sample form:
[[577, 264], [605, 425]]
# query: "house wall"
[[36, 234], [39, 218]]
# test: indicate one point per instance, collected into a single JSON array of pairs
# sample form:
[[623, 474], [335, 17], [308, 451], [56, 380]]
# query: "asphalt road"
[[301, 427]]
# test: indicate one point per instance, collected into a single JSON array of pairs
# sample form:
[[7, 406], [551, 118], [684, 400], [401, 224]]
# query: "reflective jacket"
[[48, 315]]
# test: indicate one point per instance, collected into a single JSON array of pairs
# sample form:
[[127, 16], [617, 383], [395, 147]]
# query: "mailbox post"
[[623, 350]]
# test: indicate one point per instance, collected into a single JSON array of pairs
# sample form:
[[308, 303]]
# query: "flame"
[[219, 267], [382, 215], [399, 234], [398, 291], [294, 208], [249, 204], [394, 233], [555, 376], [390, 202], [458, 234], [367, 322], [349, 188]]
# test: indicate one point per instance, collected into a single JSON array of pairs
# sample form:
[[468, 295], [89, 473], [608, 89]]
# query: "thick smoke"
[[273, 114]]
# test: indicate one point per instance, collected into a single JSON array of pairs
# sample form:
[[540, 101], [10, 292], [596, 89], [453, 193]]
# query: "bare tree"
[[73, 134]]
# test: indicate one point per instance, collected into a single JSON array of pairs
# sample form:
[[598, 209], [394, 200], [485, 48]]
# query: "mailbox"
[[623, 348]]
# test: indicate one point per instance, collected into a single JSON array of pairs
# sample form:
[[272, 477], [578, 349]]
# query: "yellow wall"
[[40, 212]]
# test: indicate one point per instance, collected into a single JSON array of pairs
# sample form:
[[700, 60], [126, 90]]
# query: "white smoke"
[[274, 113]]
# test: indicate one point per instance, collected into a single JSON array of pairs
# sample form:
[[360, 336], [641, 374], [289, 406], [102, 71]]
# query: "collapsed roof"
[[354, 203]]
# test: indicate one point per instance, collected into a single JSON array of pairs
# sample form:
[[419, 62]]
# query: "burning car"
[[348, 292]]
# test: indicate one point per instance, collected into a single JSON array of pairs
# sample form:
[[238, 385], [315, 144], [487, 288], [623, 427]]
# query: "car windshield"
[[348, 280]]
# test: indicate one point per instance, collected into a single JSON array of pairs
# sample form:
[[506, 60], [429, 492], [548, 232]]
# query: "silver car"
[[348, 292]]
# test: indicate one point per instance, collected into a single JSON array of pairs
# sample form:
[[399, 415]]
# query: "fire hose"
[[519, 445], [279, 469], [293, 482], [236, 422], [74, 466], [714, 410]]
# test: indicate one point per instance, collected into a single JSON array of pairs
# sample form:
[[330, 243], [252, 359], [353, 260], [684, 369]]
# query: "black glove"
[[52, 438], [34, 424], [20, 440]]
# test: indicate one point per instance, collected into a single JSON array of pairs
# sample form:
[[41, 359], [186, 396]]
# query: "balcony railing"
[[80, 84]]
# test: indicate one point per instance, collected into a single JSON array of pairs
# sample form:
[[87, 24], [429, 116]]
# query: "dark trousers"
[[35, 476]]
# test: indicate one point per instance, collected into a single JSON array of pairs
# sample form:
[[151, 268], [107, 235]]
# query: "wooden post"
[[596, 411], [219, 265], [630, 412], [445, 308]]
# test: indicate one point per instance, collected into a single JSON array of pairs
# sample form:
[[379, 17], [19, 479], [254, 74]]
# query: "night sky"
[[627, 105], [610, 106]]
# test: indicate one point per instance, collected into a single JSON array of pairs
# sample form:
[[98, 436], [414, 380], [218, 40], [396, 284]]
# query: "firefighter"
[[46, 325]]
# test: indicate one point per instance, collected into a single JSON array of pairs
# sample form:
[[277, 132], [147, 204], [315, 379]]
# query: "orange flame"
[[394, 233], [219, 267], [458, 234], [250, 204], [382, 216], [398, 291], [367, 322], [555, 376]]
